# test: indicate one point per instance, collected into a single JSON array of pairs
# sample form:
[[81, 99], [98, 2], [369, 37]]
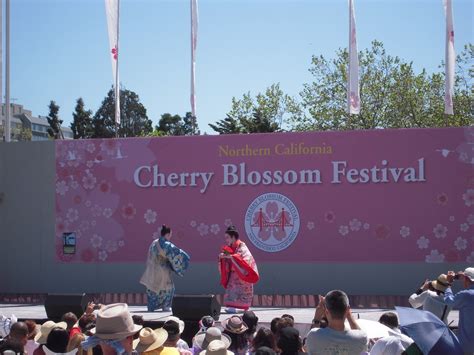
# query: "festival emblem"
[[272, 222]]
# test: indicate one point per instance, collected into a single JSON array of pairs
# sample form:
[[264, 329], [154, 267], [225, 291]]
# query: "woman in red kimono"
[[238, 272]]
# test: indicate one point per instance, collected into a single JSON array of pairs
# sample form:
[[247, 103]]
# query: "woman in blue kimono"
[[164, 258]]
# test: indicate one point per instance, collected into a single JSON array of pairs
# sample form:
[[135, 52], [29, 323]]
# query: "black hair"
[[389, 319], [165, 230], [273, 325], [238, 341], [70, 319], [57, 340], [232, 231], [288, 316], [264, 337], [337, 303]]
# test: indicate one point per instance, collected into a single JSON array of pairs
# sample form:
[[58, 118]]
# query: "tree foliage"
[[134, 121], [54, 130], [82, 121], [392, 94], [175, 125]]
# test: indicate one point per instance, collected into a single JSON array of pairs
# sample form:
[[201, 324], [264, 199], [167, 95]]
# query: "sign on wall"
[[363, 196]]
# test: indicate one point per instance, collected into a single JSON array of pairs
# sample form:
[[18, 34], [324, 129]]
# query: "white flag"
[[450, 59], [194, 32], [112, 9], [353, 99]]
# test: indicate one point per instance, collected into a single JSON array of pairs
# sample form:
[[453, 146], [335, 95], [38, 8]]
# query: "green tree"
[[82, 121], [55, 123], [134, 121], [175, 125], [263, 113], [392, 95]]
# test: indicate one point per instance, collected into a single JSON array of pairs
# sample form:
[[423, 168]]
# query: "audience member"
[[251, 320], [335, 338], [57, 341], [430, 297], [273, 325], [205, 323], [264, 338], [70, 319], [31, 344], [16, 338], [75, 344], [152, 342], [289, 341], [464, 301], [390, 320], [86, 323], [265, 351], [114, 330], [235, 328], [203, 339], [216, 347], [175, 327]]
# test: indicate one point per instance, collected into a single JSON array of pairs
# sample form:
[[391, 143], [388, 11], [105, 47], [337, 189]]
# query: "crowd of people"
[[112, 329]]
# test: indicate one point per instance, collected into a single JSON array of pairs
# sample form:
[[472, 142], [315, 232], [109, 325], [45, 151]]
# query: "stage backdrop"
[[353, 197]]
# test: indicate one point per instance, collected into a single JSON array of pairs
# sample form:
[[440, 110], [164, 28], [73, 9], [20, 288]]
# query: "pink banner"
[[363, 196]]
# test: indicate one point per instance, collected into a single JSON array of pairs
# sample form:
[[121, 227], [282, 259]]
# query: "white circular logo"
[[272, 222]]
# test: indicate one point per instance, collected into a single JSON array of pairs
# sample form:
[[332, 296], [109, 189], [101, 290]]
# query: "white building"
[[23, 119]]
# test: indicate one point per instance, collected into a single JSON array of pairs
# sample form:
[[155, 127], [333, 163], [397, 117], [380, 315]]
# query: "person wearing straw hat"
[[216, 347], [151, 342], [202, 340], [238, 271], [114, 330], [164, 259], [430, 297], [46, 328]]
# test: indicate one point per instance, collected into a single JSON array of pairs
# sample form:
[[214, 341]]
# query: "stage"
[[303, 316]]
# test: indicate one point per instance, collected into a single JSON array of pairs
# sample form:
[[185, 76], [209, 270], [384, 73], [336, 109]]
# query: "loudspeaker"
[[57, 304], [194, 307]]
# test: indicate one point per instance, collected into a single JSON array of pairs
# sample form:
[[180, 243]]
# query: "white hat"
[[469, 273], [203, 339], [46, 328], [150, 339], [216, 347], [114, 321]]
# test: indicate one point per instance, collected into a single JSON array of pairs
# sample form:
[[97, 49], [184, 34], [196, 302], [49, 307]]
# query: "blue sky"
[[59, 48]]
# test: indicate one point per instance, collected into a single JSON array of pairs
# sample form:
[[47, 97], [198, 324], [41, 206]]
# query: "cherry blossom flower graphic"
[[193, 224], [88, 181], [381, 231], [468, 197], [355, 225], [88, 203], [96, 241], [464, 227], [121, 243], [310, 225], [435, 257], [72, 214], [87, 255], [423, 242], [329, 217], [215, 229], [105, 186], [470, 219], [129, 211], [61, 187], [442, 199], [460, 243], [343, 230], [150, 216], [366, 226], [91, 148], [203, 229], [452, 219], [440, 231], [74, 184], [405, 231], [111, 246], [228, 222], [470, 258], [107, 212], [103, 255]]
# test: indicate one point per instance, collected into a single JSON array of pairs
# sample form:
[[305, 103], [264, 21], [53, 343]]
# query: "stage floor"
[[303, 316]]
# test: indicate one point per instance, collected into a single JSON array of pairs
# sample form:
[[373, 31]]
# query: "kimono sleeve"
[[177, 258]]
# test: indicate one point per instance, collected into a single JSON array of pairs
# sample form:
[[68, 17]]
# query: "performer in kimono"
[[164, 259], [238, 272]]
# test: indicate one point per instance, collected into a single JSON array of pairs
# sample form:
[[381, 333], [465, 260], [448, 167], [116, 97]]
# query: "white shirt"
[[327, 341], [432, 302]]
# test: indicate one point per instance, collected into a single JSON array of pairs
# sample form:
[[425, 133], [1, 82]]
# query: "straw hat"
[[441, 283], [216, 347], [150, 339], [46, 328], [114, 322], [235, 325], [203, 339]]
